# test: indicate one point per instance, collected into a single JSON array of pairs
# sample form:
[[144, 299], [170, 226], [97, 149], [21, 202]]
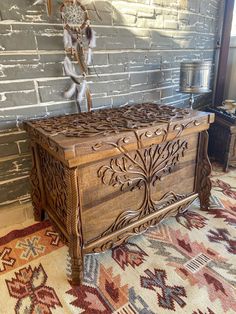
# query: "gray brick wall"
[[140, 45]]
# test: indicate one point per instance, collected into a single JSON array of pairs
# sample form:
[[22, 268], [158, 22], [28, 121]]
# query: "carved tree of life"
[[142, 171]]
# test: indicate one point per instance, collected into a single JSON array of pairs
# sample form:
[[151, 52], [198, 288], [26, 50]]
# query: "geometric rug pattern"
[[185, 264]]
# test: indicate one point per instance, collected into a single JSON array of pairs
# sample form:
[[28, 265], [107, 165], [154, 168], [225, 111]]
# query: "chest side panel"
[[116, 192], [55, 184]]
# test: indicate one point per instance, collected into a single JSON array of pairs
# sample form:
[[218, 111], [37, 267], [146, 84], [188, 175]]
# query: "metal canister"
[[195, 77]]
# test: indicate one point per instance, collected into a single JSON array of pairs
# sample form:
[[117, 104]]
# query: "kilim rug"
[[185, 264]]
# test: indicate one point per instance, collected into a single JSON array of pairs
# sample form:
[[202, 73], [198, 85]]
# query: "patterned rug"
[[185, 264]]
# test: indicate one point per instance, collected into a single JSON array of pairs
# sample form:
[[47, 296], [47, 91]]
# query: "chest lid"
[[86, 137]]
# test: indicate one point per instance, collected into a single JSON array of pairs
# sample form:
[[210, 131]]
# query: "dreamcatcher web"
[[73, 14]]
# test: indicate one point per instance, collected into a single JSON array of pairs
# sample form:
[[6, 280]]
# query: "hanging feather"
[[67, 40], [89, 56], [88, 33], [69, 67], [71, 91], [82, 91], [92, 43], [70, 70], [75, 36]]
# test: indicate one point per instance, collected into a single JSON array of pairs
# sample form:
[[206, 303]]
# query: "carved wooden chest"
[[106, 175]]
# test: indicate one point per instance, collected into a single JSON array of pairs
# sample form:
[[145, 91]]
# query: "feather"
[[89, 56], [71, 91], [92, 43], [67, 39], [88, 33], [82, 91], [69, 67], [39, 2], [70, 70]]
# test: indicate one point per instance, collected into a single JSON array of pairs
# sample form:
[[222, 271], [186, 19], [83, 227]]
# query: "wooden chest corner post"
[[74, 226], [37, 190], [203, 182]]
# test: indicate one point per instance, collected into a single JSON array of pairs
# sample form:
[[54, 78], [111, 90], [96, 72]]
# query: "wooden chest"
[[106, 175]]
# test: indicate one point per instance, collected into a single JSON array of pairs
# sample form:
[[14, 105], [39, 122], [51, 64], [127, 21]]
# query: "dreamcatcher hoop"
[[74, 14]]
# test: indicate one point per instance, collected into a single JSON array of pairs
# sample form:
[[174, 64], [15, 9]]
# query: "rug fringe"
[[126, 309]]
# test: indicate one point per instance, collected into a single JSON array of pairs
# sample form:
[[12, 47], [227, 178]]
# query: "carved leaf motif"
[[146, 167], [110, 121], [166, 158], [122, 172]]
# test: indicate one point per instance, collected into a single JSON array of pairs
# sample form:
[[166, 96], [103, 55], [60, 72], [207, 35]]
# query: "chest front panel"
[[118, 191]]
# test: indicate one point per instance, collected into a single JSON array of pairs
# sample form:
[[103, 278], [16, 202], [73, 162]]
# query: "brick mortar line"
[[171, 9], [21, 200], [13, 157], [25, 91], [51, 103], [53, 78], [13, 180], [42, 104], [119, 27], [161, 31], [153, 6], [98, 52], [12, 133], [40, 79]]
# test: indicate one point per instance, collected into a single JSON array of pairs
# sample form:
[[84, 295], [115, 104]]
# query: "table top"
[[91, 128]]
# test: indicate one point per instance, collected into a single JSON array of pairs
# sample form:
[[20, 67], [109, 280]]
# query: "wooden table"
[[104, 176]]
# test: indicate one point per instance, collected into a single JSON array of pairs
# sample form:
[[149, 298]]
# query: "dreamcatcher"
[[76, 29], [79, 40]]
